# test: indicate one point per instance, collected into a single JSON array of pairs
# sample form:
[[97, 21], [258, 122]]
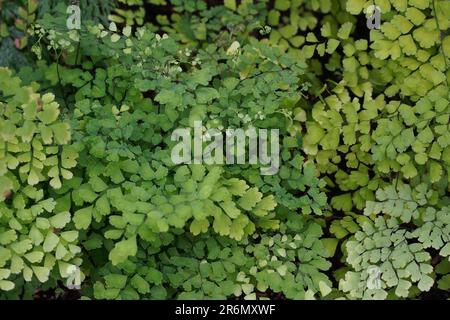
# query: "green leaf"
[[355, 6], [6, 285], [324, 289], [50, 242], [116, 281], [82, 218], [122, 250], [330, 245], [425, 283], [199, 226], [230, 4], [60, 220], [41, 273]]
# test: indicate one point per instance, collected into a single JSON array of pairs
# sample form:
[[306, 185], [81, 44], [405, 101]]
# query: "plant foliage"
[[359, 206]]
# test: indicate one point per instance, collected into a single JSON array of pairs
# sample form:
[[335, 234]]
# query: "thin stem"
[[59, 80], [78, 52]]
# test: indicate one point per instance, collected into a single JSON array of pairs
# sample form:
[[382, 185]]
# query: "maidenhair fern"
[[358, 207], [37, 244]]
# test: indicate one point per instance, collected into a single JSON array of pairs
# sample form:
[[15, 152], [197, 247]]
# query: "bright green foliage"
[[275, 266], [33, 141], [127, 196], [413, 141], [359, 207], [416, 137], [217, 267], [37, 244], [408, 52]]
